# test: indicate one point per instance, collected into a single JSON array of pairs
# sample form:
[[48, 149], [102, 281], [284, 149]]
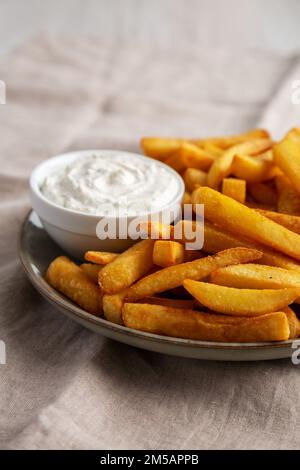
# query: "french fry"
[[262, 193], [160, 148], [187, 198], [194, 178], [190, 156], [294, 134], [127, 268], [91, 271], [294, 324], [190, 324], [100, 257], [255, 276], [213, 149], [247, 222], [229, 141], [292, 222], [167, 253], [287, 157], [173, 276], [253, 170], [157, 230], [234, 188], [288, 197], [223, 164], [217, 239], [112, 306], [248, 302], [68, 278]]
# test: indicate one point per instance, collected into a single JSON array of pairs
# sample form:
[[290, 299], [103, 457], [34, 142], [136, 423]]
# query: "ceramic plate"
[[36, 250]]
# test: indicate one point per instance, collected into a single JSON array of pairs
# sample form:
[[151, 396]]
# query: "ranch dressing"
[[111, 182]]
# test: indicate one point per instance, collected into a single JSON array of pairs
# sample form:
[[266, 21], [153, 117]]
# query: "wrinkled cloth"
[[64, 387]]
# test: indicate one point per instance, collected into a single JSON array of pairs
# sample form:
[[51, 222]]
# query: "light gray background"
[[262, 24]]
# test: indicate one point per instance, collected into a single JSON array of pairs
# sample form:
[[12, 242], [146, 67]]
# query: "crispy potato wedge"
[[235, 188], [262, 193], [294, 323], [195, 325], [292, 222], [91, 271], [190, 156], [68, 278], [194, 178], [127, 268], [287, 157], [247, 222], [169, 278], [167, 253], [288, 198], [100, 257], [255, 276], [222, 165], [248, 302], [160, 148], [253, 170], [217, 239]]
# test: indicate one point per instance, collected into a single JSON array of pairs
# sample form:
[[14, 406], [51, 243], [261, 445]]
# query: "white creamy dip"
[[111, 182]]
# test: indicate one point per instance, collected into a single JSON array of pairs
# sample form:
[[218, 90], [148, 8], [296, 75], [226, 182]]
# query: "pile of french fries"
[[244, 285]]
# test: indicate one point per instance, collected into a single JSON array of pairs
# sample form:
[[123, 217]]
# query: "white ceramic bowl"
[[73, 231]]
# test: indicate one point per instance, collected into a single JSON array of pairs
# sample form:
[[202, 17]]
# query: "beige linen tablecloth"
[[63, 386]]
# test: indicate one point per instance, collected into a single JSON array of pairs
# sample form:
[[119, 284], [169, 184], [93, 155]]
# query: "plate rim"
[[62, 302]]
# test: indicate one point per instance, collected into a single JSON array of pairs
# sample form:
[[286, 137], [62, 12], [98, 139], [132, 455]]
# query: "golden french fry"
[[169, 278], [255, 276], [190, 156], [100, 257], [157, 230], [167, 253], [287, 157], [160, 148], [213, 149], [229, 141], [234, 188], [187, 199], [217, 239], [68, 278], [294, 134], [253, 170], [112, 306], [222, 165], [91, 271], [248, 302], [288, 198], [292, 222], [195, 325], [194, 178], [262, 193], [294, 324], [247, 222], [127, 268]]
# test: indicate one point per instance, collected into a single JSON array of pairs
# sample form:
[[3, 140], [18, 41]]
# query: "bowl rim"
[[73, 155]]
